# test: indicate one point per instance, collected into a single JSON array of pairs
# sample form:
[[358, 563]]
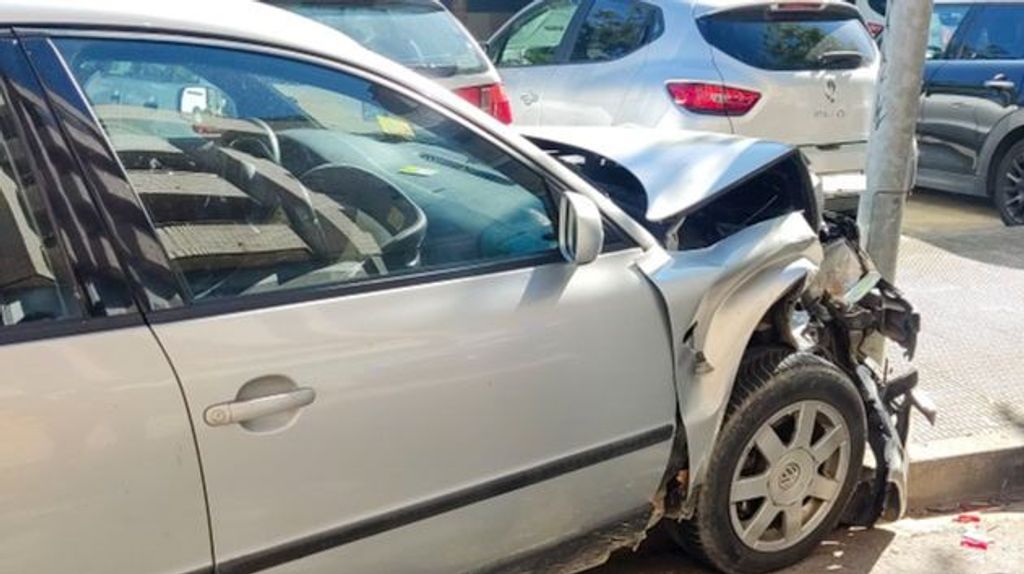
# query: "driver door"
[[389, 364]]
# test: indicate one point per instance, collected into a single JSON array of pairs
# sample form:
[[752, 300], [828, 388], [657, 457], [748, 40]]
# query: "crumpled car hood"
[[702, 164]]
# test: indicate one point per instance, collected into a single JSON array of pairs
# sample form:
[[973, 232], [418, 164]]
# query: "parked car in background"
[[271, 302], [799, 72], [419, 34], [874, 14], [971, 129]]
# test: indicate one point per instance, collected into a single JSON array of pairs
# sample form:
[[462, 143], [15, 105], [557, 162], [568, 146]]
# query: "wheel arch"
[[714, 353], [1007, 133]]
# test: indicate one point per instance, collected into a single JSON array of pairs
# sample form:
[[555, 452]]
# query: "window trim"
[[40, 37]]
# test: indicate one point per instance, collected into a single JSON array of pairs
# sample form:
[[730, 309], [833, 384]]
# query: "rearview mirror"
[[193, 99], [580, 229]]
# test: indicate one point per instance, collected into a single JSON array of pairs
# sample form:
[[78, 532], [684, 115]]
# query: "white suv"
[[799, 72]]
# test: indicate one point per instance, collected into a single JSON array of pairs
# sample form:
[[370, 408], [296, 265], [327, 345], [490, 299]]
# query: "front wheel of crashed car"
[[784, 466]]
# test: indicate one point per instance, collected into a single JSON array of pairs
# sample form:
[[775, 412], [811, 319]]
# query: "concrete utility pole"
[[892, 160]]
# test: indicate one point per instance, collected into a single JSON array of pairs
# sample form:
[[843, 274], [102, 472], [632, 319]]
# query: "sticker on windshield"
[[396, 127]]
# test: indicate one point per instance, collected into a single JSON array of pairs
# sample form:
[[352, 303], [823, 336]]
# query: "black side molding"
[[348, 533]]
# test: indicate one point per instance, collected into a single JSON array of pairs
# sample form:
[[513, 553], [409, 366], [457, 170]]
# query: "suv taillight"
[[713, 98], [875, 29], [491, 99]]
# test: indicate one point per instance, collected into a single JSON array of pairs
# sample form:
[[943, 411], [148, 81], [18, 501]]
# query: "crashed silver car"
[[270, 302], [769, 455]]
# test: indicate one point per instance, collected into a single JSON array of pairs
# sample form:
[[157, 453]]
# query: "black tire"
[[1008, 185], [768, 381]]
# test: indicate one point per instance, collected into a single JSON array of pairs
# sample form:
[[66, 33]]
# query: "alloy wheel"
[[1013, 189], [789, 476]]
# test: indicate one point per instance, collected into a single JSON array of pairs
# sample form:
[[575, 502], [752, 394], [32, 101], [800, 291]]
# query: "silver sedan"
[[272, 303]]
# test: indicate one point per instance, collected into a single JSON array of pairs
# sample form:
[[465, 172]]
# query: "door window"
[[35, 281], [263, 174], [946, 20], [995, 33], [614, 28], [535, 38]]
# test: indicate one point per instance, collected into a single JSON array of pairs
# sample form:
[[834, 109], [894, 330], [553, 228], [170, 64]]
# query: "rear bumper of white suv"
[[842, 190]]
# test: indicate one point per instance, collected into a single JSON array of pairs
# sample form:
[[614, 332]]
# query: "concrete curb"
[[947, 472]]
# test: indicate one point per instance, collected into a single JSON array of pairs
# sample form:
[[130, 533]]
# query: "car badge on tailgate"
[[831, 88]]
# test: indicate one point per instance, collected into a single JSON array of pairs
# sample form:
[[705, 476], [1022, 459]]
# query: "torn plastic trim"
[[850, 305]]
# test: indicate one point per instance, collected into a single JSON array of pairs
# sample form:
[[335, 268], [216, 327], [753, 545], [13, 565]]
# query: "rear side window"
[[417, 34], [35, 282], [614, 28], [995, 33], [534, 39], [878, 6], [790, 40]]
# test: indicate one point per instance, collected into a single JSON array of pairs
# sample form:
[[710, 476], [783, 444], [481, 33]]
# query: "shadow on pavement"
[[968, 227], [1003, 247]]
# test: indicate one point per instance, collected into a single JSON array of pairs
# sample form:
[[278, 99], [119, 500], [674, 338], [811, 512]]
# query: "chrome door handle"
[[1001, 85], [235, 412]]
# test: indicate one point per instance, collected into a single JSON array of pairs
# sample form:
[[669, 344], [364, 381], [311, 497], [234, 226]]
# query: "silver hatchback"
[[798, 72]]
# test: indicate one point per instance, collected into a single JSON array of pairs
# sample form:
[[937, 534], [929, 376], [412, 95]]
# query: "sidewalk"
[[964, 271]]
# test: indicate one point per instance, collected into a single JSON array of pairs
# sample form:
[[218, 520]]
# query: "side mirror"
[[580, 229]]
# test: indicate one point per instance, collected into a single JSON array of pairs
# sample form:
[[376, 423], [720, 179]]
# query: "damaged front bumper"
[[846, 313]]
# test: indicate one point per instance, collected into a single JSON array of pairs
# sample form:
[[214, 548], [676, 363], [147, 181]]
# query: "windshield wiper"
[[843, 59], [436, 71]]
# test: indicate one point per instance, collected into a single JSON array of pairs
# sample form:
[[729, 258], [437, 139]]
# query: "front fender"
[[716, 298]]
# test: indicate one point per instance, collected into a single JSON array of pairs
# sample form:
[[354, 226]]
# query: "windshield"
[[420, 35]]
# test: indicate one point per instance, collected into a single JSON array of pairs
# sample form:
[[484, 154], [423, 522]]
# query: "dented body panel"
[[716, 298]]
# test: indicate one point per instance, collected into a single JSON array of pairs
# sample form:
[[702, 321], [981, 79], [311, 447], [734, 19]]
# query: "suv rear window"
[[421, 35], [771, 38]]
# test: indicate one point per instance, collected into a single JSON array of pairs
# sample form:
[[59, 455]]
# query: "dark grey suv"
[[971, 130]]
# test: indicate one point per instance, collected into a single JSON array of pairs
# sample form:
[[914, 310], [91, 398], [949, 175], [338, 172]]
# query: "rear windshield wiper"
[[436, 71], [841, 59]]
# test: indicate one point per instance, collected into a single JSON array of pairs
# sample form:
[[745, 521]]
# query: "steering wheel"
[[268, 146]]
